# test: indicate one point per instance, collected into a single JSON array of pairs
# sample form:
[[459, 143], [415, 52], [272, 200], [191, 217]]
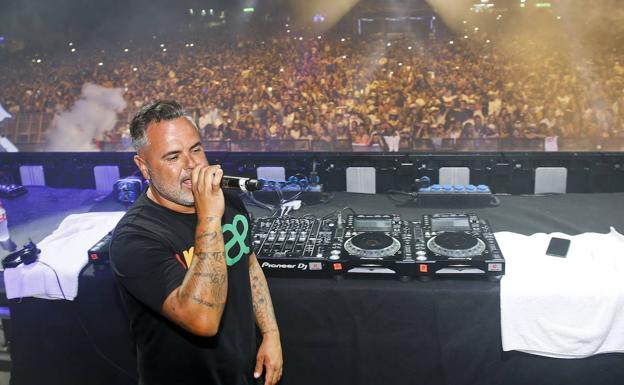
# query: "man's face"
[[172, 151]]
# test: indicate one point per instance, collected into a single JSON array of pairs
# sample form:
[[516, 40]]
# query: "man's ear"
[[142, 166]]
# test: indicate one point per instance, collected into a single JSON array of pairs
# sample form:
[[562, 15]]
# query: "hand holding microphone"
[[206, 186]]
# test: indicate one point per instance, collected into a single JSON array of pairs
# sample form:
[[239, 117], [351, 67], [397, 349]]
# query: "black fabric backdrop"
[[351, 331]]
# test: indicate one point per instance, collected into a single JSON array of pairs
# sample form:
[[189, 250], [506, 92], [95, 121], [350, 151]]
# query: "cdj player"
[[456, 244], [375, 244], [383, 244]]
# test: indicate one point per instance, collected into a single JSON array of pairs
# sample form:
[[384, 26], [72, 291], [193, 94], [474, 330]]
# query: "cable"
[[57, 279], [255, 201], [348, 208], [392, 193]]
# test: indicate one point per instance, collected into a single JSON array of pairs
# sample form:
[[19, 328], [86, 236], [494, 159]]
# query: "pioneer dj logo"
[[288, 266]]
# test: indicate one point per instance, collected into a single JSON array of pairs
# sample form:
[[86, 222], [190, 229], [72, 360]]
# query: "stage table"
[[349, 331]]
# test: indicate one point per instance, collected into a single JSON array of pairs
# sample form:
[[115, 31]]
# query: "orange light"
[[424, 268]]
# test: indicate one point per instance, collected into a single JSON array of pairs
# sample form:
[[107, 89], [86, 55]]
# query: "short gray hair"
[[154, 112]]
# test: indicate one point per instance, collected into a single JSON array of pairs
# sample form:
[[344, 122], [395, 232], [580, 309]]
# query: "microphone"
[[243, 184]]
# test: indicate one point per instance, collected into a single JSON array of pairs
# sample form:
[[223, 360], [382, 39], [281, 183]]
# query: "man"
[[190, 282]]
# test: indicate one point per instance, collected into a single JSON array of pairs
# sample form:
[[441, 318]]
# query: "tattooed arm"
[[270, 352], [197, 304]]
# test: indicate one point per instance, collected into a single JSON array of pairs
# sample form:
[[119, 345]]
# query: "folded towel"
[[569, 307], [63, 254]]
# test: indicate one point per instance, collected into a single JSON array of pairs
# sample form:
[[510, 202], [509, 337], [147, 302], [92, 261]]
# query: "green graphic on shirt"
[[237, 238]]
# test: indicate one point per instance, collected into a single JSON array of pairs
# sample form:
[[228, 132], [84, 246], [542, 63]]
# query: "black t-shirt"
[[151, 250]]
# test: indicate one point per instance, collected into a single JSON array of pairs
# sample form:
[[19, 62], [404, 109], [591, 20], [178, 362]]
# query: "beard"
[[174, 193]]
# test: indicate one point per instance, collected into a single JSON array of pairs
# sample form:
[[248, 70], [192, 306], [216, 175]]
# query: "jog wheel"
[[456, 244], [372, 245]]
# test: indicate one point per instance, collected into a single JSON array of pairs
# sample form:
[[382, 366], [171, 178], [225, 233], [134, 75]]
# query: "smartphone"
[[558, 247]]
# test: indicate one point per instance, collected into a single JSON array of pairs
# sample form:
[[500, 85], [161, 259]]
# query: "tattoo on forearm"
[[213, 255], [208, 303], [208, 235], [263, 308], [207, 219], [215, 278]]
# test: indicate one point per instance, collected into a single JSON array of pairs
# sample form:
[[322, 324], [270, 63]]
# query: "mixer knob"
[[421, 255], [334, 254]]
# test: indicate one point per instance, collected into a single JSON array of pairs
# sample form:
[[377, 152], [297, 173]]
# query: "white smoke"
[[93, 114]]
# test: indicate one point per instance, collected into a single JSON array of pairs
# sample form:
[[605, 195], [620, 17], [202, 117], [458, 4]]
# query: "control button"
[[495, 267]]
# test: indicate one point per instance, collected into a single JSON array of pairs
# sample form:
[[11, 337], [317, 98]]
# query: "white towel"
[[569, 307], [65, 251]]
